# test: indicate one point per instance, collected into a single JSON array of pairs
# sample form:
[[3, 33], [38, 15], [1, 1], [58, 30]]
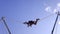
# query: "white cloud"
[[48, 9], [55, 10], [58, 22], [58, 5], [51, 10]]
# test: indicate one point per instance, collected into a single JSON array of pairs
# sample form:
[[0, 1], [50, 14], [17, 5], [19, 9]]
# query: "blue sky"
[[18, 11]]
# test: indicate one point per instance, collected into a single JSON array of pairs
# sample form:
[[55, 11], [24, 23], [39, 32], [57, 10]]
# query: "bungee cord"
[[46, 17]]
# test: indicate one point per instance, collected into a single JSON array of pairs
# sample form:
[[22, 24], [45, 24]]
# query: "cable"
[[46, 17]]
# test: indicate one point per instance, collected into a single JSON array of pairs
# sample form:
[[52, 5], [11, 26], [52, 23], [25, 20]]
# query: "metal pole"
[[55, 24], [6, 25]]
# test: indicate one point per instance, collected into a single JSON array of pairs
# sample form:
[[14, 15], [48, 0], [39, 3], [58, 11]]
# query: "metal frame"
[[55, 22], [6, 25]]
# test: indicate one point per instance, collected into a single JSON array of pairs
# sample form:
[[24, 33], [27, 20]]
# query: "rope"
[[46, 17]]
